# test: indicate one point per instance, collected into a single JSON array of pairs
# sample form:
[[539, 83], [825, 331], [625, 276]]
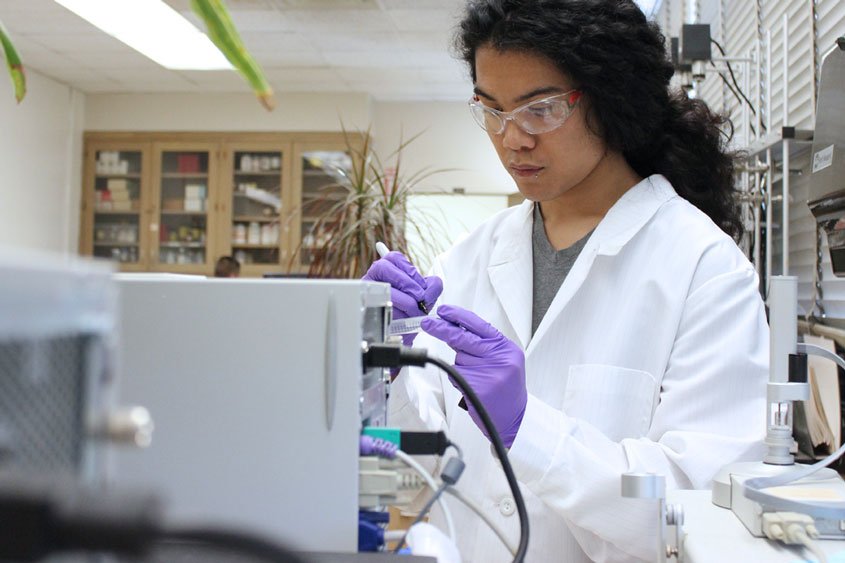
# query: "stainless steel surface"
[[234, 373], [827, 181]]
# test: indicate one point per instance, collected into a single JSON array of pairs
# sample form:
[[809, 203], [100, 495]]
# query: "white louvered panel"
[[711, 90], [800, 107], [830, 24], [801, 60], [740, 38], [773, 11]]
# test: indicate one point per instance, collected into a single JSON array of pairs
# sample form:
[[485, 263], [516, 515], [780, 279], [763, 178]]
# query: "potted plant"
[[366, 204]]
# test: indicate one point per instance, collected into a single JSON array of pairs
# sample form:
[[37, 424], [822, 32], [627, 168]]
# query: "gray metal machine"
[[57, 370], [258, 395], [827, 182]]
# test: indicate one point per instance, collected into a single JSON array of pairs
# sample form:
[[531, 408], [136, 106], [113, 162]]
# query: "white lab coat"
[[653, 357]]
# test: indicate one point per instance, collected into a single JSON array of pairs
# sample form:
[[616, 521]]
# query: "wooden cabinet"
[[176, 202]]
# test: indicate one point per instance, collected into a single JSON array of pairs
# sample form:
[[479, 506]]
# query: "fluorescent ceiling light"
[[154, 29]]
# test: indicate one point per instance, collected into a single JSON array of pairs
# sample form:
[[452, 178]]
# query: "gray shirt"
[[550, 268]]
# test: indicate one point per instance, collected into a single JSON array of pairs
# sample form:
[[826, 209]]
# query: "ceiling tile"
[[248, 21], [382, 59], [377, 75], [354, 41], [263, 41], [280, 59], [396, 49], [329, 21], [304, 74]]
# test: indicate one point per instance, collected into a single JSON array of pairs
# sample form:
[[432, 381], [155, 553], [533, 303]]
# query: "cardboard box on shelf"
[[120, 195], [117, 184], [172, 204], [122, 205]]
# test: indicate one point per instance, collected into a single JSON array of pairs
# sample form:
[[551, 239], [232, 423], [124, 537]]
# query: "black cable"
[[470, 395], [238, 542], [45, 515], [733, 78]]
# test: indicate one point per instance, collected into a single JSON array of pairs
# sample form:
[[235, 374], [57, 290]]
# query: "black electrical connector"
[[424, 443], [393, 356]]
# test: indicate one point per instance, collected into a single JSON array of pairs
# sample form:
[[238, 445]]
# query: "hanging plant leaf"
[[222, 33], [13, 63]]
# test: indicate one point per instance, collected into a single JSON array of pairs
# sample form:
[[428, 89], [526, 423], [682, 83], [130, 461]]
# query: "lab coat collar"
[[511, 260], [623, 220], [511, 270], [628, 215]]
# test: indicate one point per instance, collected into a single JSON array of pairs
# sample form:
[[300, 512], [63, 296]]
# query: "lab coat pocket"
[[616, 400]]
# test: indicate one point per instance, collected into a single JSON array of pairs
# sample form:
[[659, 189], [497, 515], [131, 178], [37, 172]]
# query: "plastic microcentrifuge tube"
[[405, 326]]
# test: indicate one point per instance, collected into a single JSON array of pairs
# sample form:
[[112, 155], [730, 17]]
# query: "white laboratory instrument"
[[258, 395], [825, 485]]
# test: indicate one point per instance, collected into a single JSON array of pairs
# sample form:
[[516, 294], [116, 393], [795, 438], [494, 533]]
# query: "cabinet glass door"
[[256, 207], [322, 179], [117, 205], [183, 207]]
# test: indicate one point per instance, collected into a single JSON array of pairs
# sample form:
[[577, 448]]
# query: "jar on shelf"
[[239, 233], [254, 234]]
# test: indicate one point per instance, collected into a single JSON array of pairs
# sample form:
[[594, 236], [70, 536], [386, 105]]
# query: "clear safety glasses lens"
[[540, 116]]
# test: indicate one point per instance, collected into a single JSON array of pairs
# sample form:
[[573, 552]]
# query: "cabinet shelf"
[[112, 244], [191, 213], [182, 244], [118, 175], [189, 175], [258, 173], [113, 212], [256, 218], [246, 245]]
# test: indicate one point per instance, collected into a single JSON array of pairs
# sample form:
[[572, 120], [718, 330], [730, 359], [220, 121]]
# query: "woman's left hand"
[[492, 365]]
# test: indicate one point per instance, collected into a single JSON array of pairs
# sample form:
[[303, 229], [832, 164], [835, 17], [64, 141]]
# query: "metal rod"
[[785, 71], [756, 254], [757, 96], [785, 171], [769, 84], [746, 116], [733, 59], [785, 210], [769, 218]]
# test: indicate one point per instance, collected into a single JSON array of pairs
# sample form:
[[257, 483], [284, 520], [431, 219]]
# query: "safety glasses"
[[539, 116]]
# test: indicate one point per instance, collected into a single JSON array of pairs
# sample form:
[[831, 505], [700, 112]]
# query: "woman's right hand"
[[407, 287]]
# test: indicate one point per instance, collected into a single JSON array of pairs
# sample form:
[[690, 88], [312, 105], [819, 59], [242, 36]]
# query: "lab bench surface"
[[715, 534]]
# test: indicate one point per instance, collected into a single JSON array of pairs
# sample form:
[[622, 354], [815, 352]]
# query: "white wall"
[[225, 112], [40, 165], [450, 139]]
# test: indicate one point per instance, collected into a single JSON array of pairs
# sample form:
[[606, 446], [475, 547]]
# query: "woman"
[[626, 332]]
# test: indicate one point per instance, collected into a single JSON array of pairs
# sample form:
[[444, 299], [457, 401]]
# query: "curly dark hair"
[[619, 60]]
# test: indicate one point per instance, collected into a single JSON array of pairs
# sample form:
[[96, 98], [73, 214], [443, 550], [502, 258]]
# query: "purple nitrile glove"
[[407, 287], [492, 365]]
